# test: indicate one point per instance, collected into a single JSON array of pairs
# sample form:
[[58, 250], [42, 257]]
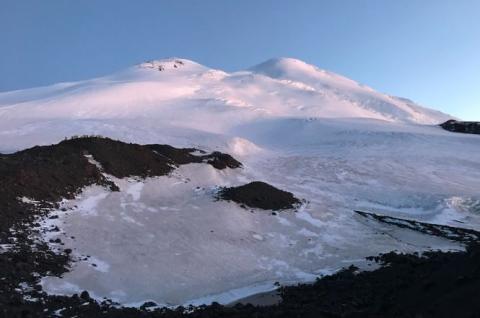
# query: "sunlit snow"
[[333, 142]]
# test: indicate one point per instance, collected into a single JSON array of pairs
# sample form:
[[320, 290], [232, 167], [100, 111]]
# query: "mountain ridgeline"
[[162, 97]]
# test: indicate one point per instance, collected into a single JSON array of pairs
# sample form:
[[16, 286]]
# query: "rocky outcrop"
[[466, 127], [457, 234], [32, 181], [50, 173], [260, 195]]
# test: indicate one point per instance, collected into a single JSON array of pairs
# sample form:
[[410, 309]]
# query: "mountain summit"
[[290, 68]]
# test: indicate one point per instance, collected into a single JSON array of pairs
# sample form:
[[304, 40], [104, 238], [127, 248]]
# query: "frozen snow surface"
[[331, 141]]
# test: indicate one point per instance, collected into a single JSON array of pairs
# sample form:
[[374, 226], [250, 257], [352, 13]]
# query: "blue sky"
[[427, 50]]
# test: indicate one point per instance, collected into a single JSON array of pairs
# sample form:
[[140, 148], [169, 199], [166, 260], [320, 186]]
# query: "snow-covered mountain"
[[183, 94], [335, 143]]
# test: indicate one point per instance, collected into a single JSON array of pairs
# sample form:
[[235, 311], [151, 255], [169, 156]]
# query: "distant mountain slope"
[[169, 88]]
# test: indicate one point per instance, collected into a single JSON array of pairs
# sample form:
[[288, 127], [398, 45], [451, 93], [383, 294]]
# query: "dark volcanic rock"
[[434, 285], [183, 156], [50, 173], [44, 175], [457, 234], [467, 127], [260, 195]]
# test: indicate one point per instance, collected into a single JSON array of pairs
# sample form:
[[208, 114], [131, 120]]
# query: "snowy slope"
[[329, 140], [360, 99], [183, 94]]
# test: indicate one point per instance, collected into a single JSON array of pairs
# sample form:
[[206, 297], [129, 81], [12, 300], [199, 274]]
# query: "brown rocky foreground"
[[435, 284]]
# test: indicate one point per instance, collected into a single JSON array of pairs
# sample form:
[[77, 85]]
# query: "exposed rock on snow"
[[37, 181], [467, 127], [260, 195], [459, 234], [216, 159], [50, 173]]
